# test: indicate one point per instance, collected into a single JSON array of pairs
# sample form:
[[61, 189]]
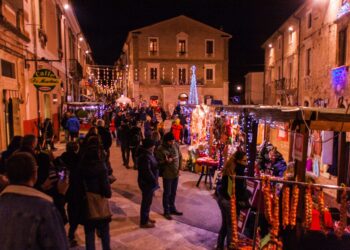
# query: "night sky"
[[106, 23]]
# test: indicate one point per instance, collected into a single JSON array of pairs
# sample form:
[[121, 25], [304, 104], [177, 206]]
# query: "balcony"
[[75, 69], [182, 53]]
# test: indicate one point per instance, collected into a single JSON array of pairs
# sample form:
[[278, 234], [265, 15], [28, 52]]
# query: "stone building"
[[307, 58], [37, 34], [254, 87], [156, 61]]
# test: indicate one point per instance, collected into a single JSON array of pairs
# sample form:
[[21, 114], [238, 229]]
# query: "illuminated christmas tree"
[[193, 89]]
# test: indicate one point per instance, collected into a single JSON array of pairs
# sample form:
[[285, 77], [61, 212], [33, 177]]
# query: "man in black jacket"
[[147, 180], [123, 135]]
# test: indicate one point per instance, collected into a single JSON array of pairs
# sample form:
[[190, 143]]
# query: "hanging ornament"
[[285, 206], [294, 206]]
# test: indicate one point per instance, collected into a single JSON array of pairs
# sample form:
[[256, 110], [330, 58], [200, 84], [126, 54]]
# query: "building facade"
[[307, 58], [254, 88], [156, 62], [38, 34]]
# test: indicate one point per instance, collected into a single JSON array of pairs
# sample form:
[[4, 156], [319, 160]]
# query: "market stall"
[[87, 112], [288, 135]]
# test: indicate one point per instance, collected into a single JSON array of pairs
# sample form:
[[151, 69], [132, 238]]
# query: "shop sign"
[[339, 79], [298, 147], [45, 80]]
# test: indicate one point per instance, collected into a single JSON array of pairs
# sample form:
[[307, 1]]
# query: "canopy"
[[123, 100]]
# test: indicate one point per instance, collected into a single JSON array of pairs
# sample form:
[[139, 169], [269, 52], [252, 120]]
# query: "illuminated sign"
[[339, 79], [344, 9], [45, 80]]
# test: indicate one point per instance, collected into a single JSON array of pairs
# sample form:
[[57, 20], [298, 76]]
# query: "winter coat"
[[73, 125], [123, 134], [135, 137], [106, 137], [147, 171], [30, 220], [95, 178], [176, 130], [169, 170], [147, 129]]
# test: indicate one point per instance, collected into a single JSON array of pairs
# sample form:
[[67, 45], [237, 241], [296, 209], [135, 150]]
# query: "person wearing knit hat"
[[147, 180], [169, 158]]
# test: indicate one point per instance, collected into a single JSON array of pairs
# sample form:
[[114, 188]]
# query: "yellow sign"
[[45, 80]]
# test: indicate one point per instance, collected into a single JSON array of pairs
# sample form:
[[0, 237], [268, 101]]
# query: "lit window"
[[8, 69], [182, 46], [182, 76], [153, 45]]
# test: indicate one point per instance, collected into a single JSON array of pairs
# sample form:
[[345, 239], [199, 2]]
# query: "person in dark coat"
[[14, 145], [68, 163], [147, 180], [47, 135], [95, 179], [123, 136], [106, 139], [234, 166], [135, 140]]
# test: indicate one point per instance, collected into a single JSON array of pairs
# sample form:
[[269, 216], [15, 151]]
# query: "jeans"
[[103, 228], [125, 153], [147, 196], [169, 194], [226, 225]]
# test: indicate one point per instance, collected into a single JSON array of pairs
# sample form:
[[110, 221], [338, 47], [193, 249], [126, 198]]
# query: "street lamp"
[[66, 6]]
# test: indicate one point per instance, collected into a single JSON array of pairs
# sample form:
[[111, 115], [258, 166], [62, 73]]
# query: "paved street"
[[196, 229]]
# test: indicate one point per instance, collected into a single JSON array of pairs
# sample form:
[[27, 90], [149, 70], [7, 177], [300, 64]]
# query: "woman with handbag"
[[234, 166], [98, 190]]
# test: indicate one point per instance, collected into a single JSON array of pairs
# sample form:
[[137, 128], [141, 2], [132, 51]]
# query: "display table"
[[206, 163]]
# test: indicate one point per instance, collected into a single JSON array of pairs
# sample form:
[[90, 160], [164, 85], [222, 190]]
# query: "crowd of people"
[[73, 187]]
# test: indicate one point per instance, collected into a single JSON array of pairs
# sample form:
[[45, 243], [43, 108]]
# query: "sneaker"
[[151, 220], [168, 216], [147, 225], [175, 212]]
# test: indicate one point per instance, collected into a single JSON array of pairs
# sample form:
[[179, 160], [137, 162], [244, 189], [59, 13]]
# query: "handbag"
[[97, 207]]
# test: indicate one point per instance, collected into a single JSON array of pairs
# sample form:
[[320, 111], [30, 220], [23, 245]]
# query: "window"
[[209, 47], [182, 43], [308, 62], [309, 20], [182, 46], [153, 45], [342, 47], [290, 73], [8, 69], [182, 76], [209, 73], [279, 72], [154, 74], [291, 37], [59, 28]]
